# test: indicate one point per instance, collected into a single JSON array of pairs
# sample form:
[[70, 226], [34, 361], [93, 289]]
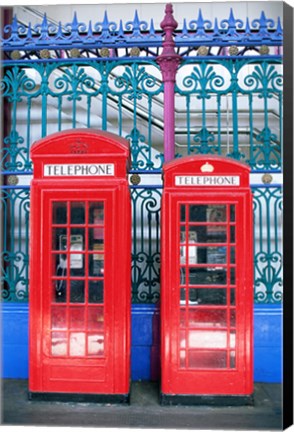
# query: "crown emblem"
[[207, 167]]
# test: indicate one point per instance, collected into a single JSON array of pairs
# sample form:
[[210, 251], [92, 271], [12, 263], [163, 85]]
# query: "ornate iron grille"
[[105, 75]]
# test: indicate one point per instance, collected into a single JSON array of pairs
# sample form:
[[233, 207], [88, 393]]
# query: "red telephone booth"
[[80, 261], [206, 282]]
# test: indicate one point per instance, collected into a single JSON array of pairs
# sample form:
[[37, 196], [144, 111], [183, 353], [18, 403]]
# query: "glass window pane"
[[96, 265], [183, 213], [59, 343], [216, 213], [182, 234], [77, 291], [96, 239], [207, 339], [59, 290], [198, 213], [96, 344], [233, 276], [233, 299], [207, 317], [59, 213], [207, 359], [232, 359], [59, 264], [182, 359], [59, 239], [96, 213], [233, 339], [95, 318], [96, 291], [76, 318], [210, 296], [233, 318], [233, 234], [182, 317], [207, 276], [192, 254], [77, 344], [58, 317], [233, 254], [216, 255], [77, 213], [232, 213]]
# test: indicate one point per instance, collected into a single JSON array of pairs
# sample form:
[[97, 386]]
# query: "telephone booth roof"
[[81, 145], [98, 142], [204, 165]]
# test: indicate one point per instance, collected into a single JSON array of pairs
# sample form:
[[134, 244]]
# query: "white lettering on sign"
[[207, 180], [69, 170]]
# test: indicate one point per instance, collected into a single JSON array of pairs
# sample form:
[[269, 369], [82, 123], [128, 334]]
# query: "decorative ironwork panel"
[[15, 210], [146, 244], [231, 108], [104, 75], [113, 96], [268, 244]]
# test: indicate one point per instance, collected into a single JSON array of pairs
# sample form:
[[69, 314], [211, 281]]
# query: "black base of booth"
[[212, 400], [80, 397]]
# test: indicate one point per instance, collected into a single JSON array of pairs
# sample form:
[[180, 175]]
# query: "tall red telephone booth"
[[206, 282], [80, 261]]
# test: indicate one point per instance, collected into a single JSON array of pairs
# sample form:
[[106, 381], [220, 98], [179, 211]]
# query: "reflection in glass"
[[76, 318], [95, 344], [58, 343], [96, 239], [207, 339], [58, 317], [77, 344], [207, 317], [216, 213], [207, 359], [95, 318], [233, 339], [233, 318]]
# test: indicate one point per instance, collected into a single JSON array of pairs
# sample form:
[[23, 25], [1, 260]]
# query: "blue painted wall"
[[145, 342]]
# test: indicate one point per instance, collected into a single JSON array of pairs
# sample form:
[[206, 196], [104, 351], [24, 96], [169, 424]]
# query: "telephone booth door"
[[80, 273], [206, 273]]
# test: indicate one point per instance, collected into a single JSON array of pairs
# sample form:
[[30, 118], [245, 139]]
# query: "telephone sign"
[[206, 282], [80, 268]]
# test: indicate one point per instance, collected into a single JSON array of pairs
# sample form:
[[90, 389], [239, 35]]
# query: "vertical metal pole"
[[168, 61]]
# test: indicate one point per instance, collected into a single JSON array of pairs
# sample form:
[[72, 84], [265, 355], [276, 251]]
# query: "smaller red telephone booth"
[[206, 282], [80, 261]]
